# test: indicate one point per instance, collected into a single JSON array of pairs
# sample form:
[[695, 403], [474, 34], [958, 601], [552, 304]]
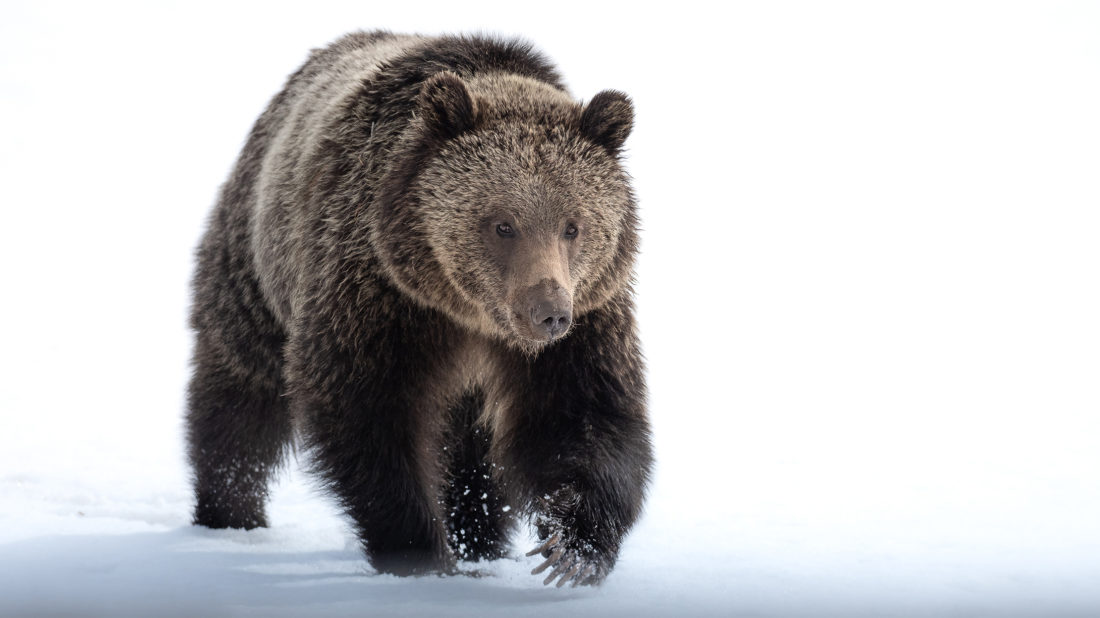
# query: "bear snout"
[[550, 308]]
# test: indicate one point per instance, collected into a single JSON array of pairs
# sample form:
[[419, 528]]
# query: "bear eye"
[[505, 230], [571, 231]]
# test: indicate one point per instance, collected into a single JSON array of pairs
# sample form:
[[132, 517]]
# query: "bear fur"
[[420, 271]]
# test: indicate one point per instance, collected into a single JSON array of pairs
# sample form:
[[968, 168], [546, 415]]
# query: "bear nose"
[[551, 319], [551, 311]]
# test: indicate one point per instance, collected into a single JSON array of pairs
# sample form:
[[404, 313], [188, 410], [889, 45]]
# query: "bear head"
[[507, 205]]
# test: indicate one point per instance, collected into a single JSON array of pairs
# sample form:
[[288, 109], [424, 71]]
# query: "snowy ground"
[[869, 294]]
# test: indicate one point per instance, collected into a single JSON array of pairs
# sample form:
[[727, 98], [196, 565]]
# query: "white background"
[[869, 294]]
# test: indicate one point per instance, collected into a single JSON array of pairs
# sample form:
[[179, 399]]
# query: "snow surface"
[[869, 296]]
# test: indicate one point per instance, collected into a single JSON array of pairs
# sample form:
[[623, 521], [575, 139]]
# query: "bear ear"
[[608, 119], [446, 105]]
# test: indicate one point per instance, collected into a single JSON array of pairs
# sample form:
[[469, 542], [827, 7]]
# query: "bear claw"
[[550, 561], [553, 540]]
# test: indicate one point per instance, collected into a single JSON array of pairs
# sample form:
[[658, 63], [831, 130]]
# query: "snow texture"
[[868, 295]]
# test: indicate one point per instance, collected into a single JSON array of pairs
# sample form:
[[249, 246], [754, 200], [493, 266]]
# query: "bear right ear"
[[446, 105]]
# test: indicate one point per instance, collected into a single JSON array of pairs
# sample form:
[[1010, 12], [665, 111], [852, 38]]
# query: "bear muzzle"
[[549, 308]]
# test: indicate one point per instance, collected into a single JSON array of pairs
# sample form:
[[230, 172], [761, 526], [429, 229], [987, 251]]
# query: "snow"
[[868, 296]]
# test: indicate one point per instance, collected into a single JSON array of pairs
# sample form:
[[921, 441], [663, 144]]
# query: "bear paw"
[[571, 561]]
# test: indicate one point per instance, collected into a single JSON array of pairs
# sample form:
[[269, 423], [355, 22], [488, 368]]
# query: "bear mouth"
[[517, 331]]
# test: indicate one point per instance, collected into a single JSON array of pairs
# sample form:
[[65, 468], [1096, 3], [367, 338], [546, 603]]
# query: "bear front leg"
[[478, 518], [372, 425], [577, 443]]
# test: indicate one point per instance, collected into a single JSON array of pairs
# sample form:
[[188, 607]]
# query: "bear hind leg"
[[238, 422], [239, 432]]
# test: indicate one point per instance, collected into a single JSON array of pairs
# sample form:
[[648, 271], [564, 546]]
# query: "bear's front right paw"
[[574, 562]]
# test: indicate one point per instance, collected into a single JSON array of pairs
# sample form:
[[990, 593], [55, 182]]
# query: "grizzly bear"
[[420, 271]]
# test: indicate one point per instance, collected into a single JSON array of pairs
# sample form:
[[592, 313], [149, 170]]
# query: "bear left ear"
[[446, 105], [608, 119]]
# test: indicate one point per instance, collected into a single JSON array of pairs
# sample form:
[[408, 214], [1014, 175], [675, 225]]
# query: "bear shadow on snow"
[[420, 270]]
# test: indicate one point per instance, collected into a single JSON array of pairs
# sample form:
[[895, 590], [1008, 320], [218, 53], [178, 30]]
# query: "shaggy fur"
[[373, 278]]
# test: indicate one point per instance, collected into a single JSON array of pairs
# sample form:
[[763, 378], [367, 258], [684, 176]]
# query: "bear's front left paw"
[[572, 561]]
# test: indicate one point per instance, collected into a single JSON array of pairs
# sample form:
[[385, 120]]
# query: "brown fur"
[[356, 282]]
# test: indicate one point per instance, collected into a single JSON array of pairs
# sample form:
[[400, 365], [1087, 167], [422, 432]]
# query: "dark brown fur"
[[354, 287]]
